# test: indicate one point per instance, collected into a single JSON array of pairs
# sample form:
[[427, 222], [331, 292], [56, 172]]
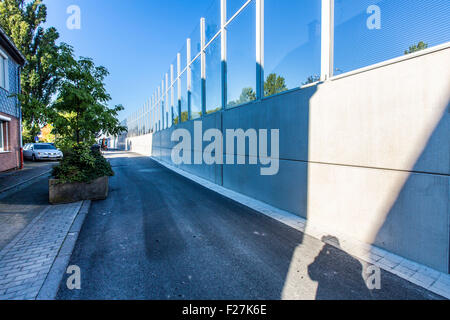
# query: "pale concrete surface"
[[26, 261], [366, 155], [162, 236], [140, 144]]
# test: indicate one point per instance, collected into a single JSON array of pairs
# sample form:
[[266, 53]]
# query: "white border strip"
[[3, 118], [393, 61], [422, 276]]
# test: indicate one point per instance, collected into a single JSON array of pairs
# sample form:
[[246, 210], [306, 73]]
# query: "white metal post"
[[223, 51], [154, 112], [167, 101], [189, 76], [172, 92], [163, 104], [203, 63], [159, 108], [149, 114], [179, 86], [327, 49], [259, 49]]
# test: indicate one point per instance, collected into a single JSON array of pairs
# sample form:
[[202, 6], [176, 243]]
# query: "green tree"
[[247, 95], [311, 79], [81, 111], [416, 47], [23, 23], [274, 84]]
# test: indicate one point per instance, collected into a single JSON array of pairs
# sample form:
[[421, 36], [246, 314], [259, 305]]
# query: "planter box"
[[77, 191]]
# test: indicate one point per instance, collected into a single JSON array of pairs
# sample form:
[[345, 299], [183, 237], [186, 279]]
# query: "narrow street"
[[161, 236]]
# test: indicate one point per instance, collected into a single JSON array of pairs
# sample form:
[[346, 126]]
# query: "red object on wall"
[[21, 159]]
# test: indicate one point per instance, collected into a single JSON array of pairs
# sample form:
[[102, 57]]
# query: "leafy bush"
[[80, 164]]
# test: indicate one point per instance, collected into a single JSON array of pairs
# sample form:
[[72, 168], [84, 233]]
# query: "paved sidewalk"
[[12, 179], [27, 260]]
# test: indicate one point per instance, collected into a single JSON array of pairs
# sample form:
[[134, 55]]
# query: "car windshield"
[[44, 147]]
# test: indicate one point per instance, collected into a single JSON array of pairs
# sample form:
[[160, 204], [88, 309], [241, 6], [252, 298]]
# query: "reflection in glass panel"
[[213, 77], [292, 44], [196, 89], [212, 18], [233, 6], [241, 64], [182, 52], [369, 31], [184, 105], [195, 41], [174, 91], [168, 119]]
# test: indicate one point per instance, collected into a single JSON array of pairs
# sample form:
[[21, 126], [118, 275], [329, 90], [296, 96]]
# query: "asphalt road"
[[161, 236]]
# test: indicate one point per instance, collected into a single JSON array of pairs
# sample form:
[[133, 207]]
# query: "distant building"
[[11, 62]]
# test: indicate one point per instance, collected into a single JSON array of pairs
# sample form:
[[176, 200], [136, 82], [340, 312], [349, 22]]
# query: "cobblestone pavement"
[[26, 260], [18, 209]]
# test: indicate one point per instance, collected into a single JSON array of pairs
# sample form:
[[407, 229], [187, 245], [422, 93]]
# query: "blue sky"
[[137, 40]]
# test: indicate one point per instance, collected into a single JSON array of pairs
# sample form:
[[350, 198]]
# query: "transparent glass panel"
[[196, 89], [292, 44], [182, 52], [184, 105], [195, 41], [174, 101], [241, 64], [369, 31], [212, 17], [233, 6], [213, 77], [174, 64]]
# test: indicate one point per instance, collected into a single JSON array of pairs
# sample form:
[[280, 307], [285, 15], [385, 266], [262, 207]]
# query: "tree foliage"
[[417, 47], [311, 79], [274, 84], [247, 95], [81, 110], [80, 164], [23, 23]]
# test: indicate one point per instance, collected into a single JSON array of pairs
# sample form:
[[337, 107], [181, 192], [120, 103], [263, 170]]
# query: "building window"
[[4, 71], [4, 136]]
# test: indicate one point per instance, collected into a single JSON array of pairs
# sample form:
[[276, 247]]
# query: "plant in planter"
[[82, 175]]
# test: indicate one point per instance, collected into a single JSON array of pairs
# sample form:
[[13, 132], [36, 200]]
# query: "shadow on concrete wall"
[[424, 198]]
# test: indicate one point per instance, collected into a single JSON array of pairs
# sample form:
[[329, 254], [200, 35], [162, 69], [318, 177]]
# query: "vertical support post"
[[154, 111], [172, 93], [259, 49], [167, 101], [223, 52], [327, 48], [189, 77], [179, 86], [159, 108], [149, 115], [163, 104], [203, 63]]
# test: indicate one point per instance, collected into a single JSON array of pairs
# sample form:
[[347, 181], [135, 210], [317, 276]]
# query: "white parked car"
[[41, 151]]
